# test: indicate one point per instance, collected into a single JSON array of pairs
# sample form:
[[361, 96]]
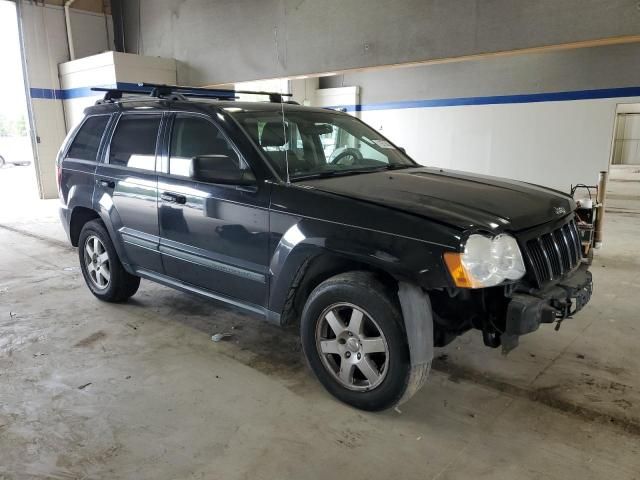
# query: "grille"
[[555, 253]]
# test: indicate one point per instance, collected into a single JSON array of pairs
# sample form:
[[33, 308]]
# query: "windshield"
[[319, 143]]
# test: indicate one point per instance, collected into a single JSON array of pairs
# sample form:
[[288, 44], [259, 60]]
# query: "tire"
[[330, 351], [101, 268]]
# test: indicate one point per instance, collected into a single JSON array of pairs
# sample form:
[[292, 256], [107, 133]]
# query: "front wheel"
[[353, 339], [103, 273]]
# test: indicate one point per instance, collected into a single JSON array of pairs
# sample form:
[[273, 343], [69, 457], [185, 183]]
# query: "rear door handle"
[[106, 183], [173, 198]]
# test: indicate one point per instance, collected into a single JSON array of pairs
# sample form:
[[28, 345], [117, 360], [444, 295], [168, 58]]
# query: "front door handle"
[[106, 183], [173, 198]]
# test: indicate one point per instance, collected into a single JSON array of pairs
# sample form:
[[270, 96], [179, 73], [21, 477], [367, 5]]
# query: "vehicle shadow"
[[273, 350]]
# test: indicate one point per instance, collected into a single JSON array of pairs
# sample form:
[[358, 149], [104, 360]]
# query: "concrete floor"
[[92, 390]]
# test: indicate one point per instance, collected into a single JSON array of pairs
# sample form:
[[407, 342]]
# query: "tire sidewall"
[[377, 304], [93, 228]]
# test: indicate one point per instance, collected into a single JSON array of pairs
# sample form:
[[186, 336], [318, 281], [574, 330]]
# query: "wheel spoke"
[[89, 249], [329, 346], [99, 280], [335, 323], [105, 273], [355, 322], [91, 267], [346, 372], [368, 369], [373, 345], [96, 245], [103, 257]]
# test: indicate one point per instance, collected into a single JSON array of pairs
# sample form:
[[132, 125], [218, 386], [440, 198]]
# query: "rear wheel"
[[354, 342], [103, 273]]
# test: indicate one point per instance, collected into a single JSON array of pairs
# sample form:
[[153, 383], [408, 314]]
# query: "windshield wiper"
[[400, 167], [337, 173]]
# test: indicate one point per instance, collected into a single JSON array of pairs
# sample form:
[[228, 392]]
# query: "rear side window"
[[134, 142], [87, 141]]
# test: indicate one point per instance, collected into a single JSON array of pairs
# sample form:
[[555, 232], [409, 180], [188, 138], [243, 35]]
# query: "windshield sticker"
[[383, 144]]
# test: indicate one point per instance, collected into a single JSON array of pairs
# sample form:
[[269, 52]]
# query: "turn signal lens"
[[460, 276]]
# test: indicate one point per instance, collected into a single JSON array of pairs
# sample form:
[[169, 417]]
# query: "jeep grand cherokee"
[[308, 216]]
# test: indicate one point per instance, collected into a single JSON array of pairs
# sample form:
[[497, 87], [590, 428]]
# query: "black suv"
[[306, 215]]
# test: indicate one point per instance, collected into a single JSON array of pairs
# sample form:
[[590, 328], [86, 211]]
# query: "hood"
[[459, 199]]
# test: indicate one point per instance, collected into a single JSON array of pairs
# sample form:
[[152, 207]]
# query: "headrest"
[[274, 134]]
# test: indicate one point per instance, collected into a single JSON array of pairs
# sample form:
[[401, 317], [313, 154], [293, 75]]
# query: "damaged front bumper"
[[526, 311]]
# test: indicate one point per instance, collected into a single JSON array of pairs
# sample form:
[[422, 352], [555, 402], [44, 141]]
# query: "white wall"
[[549, 143], [544, 117]]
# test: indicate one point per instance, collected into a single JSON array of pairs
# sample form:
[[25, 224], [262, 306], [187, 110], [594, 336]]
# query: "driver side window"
[[193, 136]]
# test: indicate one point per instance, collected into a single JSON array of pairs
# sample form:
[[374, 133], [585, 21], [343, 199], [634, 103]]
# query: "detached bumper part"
[[526, 312]]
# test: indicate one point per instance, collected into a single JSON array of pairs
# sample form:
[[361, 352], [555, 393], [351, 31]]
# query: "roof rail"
[[178, 92], [113, 94]]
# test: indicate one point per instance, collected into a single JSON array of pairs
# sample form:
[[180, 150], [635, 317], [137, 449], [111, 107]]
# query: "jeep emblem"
[[559, 210]]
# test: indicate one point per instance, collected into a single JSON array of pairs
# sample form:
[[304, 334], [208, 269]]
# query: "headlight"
[[486, 262]]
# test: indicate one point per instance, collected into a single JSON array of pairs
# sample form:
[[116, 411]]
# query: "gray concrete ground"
[[93, 390]]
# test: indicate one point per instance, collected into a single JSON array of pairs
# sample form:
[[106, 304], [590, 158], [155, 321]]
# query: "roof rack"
[[181, 93]]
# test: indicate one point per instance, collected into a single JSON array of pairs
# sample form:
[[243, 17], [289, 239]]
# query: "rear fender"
[[109, 214]]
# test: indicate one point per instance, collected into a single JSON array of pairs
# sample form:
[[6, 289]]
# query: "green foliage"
[[13, 127]]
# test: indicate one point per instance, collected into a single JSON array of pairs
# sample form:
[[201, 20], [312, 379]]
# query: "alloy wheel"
[[352, 347], [96, 259]]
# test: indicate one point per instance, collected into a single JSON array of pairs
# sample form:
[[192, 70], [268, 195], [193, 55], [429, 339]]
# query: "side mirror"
[[403, 150], [219, 169]]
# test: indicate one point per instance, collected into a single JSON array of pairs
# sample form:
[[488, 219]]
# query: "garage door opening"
[[17, 173], [623, 191], [626, 145]]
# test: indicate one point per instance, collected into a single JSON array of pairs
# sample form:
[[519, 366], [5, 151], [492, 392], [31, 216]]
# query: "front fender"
[[303, 239]]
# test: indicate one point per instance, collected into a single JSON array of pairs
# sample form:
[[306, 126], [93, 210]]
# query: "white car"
[[4, 161]]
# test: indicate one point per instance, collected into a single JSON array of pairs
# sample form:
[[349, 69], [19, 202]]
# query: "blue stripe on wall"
[[68, 94], [498, 99], [79, 92]]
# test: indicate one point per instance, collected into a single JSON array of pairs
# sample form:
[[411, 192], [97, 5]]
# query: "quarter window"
[[87, 141], [193, 137], [134, 142]]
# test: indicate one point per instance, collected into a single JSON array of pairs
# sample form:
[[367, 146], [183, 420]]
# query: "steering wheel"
[[348, 153]]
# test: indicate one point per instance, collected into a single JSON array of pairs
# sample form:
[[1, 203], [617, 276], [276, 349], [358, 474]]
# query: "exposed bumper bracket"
[[526, 311]]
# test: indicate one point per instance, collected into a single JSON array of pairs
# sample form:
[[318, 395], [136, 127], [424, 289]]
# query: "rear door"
[[212, 236], [127, 188]]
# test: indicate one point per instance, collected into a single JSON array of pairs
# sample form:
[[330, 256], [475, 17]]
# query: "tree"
[[5, 126], [13, 127], [20, 129]]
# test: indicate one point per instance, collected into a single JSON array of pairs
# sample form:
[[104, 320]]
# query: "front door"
[[213, 236], [127, 190]]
